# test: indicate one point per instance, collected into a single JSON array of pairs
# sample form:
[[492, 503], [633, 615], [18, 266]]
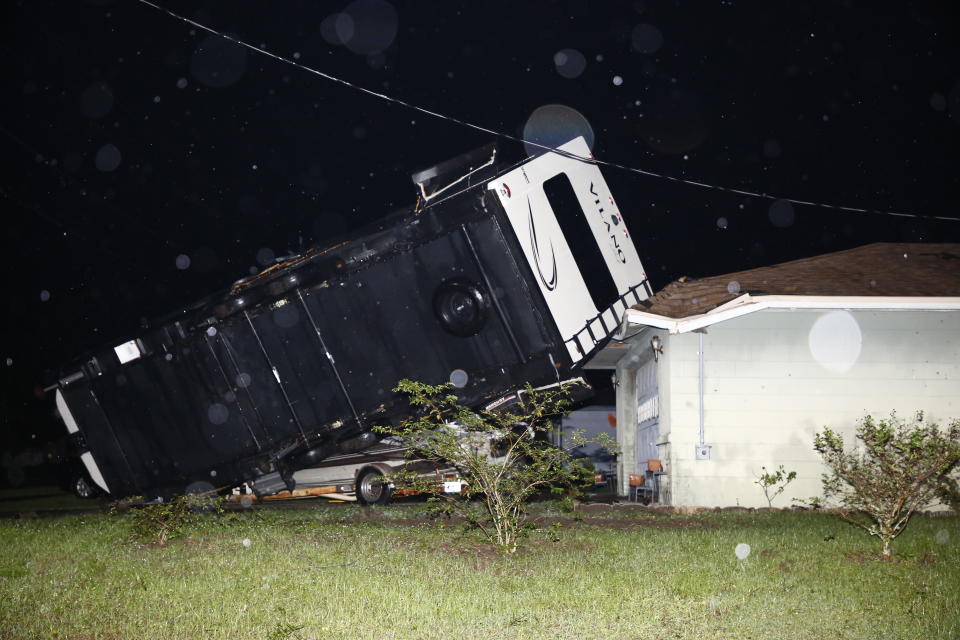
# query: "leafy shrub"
[[503, 456], [899, 468]]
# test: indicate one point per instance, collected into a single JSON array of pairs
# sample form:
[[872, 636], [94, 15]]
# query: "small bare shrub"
[[774, 483]]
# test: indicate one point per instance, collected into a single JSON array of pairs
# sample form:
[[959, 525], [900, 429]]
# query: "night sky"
[[149, 163]]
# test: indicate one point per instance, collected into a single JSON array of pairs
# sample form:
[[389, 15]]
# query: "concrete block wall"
[[775, 378]]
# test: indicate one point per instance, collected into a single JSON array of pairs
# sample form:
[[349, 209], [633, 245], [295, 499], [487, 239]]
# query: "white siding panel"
[[766, 395]]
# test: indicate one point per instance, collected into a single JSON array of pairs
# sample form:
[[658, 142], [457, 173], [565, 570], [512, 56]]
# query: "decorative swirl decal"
[[550, 284]]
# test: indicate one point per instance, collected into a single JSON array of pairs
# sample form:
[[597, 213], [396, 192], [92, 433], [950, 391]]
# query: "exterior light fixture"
[[657, 347]]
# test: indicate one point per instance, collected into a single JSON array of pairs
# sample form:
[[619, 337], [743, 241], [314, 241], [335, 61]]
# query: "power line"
[[507, 136]]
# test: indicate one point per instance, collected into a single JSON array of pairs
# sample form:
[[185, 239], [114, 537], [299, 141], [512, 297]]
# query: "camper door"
[[576, 243]]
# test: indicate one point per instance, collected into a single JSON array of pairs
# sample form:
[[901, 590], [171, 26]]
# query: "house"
[[720, 377]]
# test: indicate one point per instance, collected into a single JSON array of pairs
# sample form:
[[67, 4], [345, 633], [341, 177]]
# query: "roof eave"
[[747, 304]]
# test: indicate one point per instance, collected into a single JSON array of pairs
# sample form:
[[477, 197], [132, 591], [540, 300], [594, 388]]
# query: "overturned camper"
[[499, 277]]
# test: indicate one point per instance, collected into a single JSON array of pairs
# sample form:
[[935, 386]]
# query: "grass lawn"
[[40, 499], [339, 571]]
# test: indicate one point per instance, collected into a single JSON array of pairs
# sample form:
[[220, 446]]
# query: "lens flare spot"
[[835, 341], [569, 63], [459, 378], [553, 125], [218, 413], [107, 159]]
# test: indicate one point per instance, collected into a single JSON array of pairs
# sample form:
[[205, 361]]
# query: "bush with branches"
[[898, 468], [773, 484], [503, 456], [159, 522]]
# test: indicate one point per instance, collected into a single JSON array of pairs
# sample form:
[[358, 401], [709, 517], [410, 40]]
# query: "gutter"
[[747, 304], [702, 440]]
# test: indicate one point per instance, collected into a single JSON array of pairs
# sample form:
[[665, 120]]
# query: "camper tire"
[[82, 488], [372, 488]]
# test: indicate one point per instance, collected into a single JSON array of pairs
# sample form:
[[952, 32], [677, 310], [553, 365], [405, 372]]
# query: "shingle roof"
[[881, 269]]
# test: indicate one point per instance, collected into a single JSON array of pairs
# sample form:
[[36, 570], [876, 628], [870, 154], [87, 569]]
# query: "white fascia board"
[[749, 304]]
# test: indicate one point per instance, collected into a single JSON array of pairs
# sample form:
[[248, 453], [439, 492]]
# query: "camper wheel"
[[371, 487], [82, 487]]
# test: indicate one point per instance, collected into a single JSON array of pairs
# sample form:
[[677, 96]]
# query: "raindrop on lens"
[[243, 380], [217, 413], [96, 101], [553, 125], [617, 81], [570, 63], [44, 296], [107, 158], [246, 502], [771, 149], [835, 341], [722, 222], [646, 38], [286, 316], [265, 256], [459, 378], [781, 214], [733, 287], [367, 26], [943, 536], [9, 362], [198, 487], [742, 550], [246, 541], [217, 62], [183, 262], [337, 28], [211, 331]]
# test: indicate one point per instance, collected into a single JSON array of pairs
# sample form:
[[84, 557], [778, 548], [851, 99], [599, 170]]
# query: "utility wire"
[[507, 136]]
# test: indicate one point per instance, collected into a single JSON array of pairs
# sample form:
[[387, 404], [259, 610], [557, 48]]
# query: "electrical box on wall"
[[703, 452]]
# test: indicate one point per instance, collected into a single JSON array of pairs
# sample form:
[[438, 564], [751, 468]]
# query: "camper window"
[[581, 239]]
